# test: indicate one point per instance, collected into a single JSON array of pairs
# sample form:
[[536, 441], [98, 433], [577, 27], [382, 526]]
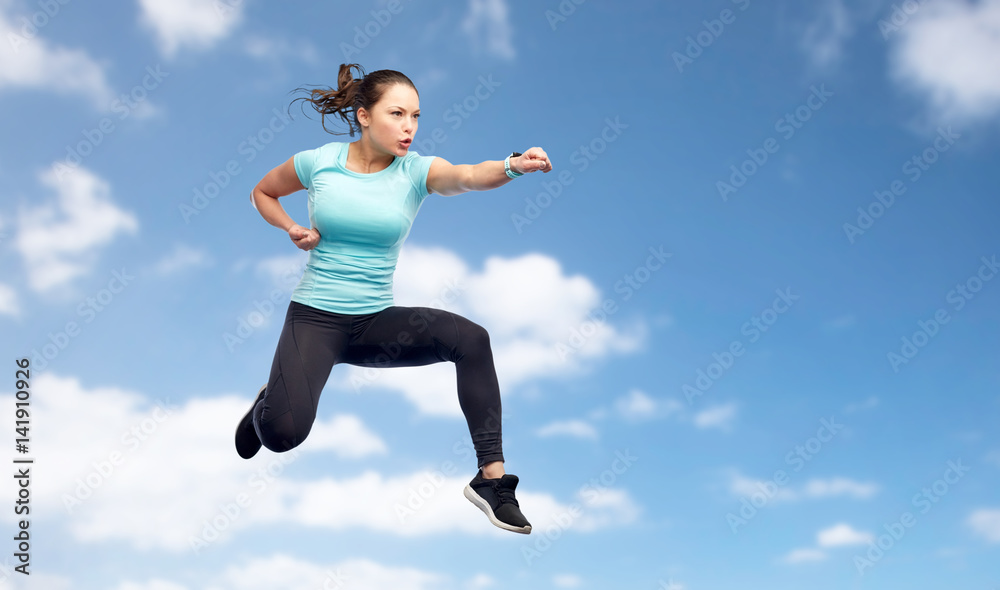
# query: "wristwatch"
[[506, 166]]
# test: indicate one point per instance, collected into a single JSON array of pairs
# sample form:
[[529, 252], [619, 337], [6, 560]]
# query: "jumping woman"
[[363, 198]]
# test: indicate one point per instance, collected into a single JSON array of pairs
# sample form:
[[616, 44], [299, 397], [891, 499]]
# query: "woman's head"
[[382, 104]]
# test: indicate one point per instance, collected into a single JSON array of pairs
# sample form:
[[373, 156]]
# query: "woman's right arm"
[[280, 181]]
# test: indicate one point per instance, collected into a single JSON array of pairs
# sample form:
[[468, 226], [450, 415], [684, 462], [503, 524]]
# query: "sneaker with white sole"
[[247, 441], [496, 498]]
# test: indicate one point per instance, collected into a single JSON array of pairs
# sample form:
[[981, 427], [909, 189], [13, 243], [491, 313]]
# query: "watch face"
[[515, 154]]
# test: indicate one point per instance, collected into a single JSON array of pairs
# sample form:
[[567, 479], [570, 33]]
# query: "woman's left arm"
[[449, 180]]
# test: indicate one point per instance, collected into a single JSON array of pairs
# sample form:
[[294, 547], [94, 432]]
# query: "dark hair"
[[353, 93]]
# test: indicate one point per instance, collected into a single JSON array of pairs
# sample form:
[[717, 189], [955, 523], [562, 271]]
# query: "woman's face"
[[392, 121]]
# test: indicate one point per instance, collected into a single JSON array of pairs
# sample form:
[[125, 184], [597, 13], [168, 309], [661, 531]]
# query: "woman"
[[363, 197]]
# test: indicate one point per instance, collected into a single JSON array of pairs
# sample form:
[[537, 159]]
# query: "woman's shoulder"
[[326, 153]]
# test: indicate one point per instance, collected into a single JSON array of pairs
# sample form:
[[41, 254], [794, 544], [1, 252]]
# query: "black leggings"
[[313, 340]]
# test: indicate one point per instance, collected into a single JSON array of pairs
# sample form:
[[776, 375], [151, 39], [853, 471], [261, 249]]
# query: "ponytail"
[[352, 94]]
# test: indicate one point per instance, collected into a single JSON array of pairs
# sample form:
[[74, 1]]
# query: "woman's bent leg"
[[413, 336], [307, 350]]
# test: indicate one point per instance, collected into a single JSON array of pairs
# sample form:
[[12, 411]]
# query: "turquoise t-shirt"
[[362, 220]]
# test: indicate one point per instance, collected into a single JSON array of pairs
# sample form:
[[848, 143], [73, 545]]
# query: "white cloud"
[[839, 486], [8, 301], [193, 24], [528, 306], [481, 581], [431, 502], [284, 571], [487, 22], [347, 436], [841, 534], [59, 241], [154, 472], [716, 417], [37, 579], [182, 257], [283, 270], [823, 39], [746, 487], [577, 428], [985, 523], [278, 50], [947, 52], [150, 585], [566, 581], [814, 488], [636, 405], [804, 555], [29, 60], [157, 474]]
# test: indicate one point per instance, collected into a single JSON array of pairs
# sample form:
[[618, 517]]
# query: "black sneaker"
[[496, 498], [247, 441]]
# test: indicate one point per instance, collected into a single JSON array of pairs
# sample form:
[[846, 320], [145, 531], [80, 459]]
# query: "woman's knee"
[[282, 434], [472, 336]]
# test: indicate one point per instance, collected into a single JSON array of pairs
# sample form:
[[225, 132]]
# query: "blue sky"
[[745, 331]]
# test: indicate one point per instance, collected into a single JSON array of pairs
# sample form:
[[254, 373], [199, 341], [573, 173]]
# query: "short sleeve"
[[416, 168], [304, 163]]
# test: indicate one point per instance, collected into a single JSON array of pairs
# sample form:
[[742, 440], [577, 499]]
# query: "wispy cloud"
[[487, 23], [573, 428], [804, 555], [8, 301], [36, 63], [720, 417], [985, 523], [181, 258], [189, 24], [637, 405], [59, 241], [842, 534], [823, 40]]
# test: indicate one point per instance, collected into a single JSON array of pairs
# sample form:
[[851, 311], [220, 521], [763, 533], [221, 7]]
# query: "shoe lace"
[[506, 495]]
